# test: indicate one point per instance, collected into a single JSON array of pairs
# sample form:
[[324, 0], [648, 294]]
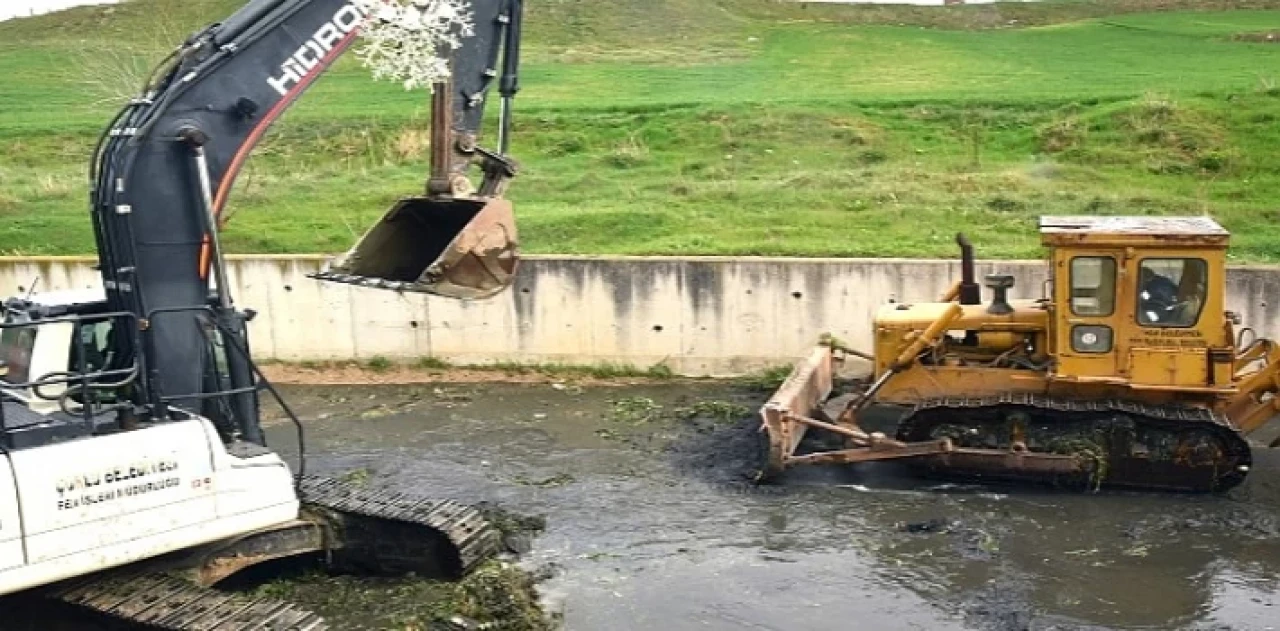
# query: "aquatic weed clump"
[[1088, 449], [496, 596], [500, 597], [509, 522], [713, 410], [517, 530], [635, 411]]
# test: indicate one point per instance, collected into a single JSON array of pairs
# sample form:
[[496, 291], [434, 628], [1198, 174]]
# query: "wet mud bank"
[[633, 508], [652, 521]]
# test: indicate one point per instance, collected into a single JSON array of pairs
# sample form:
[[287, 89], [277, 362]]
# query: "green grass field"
[[727, 126]]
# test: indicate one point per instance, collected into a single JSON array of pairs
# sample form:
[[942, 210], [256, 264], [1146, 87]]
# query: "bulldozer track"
[[1176, 423], [391, 517], [167, 602]]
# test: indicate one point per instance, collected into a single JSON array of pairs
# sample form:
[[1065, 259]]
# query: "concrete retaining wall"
[[699, 316]]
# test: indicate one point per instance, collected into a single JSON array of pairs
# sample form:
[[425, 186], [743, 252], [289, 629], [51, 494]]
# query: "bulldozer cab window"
[[1171, 291], [1093, 285]]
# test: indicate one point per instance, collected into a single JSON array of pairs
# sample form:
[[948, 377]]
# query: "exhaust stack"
[[970, 292]]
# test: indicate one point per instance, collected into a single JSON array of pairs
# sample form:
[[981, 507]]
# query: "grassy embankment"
[[745, 127]]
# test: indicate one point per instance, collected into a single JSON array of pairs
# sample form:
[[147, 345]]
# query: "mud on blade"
[[465, 248]]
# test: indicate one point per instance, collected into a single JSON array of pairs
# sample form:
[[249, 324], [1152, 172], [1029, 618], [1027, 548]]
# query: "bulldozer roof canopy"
[[1133, 231]]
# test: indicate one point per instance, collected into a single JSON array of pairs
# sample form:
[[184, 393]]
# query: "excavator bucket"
[[458, 247], [448, 243]]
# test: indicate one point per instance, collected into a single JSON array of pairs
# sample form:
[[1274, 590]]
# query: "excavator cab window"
[[1171, 291], [93, 342], [16, 346]]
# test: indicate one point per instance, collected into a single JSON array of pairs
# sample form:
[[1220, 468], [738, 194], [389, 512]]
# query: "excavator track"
[[1120, 444], [376, 530], [390, 531], [168, 602]]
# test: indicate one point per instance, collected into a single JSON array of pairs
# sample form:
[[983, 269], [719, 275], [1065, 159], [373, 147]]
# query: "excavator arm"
[[165, 167]]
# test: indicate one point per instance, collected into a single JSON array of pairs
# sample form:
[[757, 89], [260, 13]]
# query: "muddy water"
[[650, 525]]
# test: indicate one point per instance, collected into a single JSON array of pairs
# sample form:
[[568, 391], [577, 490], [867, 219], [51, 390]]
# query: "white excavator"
[[135, 472]]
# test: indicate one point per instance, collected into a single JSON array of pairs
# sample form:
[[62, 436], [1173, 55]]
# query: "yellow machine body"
[[1130, 331]]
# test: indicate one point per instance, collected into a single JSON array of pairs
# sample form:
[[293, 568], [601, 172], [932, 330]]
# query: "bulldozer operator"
[[1166, 302], [1159, 296]]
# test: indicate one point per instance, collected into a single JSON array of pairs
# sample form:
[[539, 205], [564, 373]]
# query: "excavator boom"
[[165, 169]]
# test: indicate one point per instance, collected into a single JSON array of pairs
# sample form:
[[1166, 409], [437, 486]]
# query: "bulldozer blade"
[[464, 248], [806, 387]]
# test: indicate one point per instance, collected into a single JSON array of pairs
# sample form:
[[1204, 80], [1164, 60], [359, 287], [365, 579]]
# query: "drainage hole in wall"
[[797, 295], [657, 328]]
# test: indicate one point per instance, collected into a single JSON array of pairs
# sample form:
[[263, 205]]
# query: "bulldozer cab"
[[1139, 301]]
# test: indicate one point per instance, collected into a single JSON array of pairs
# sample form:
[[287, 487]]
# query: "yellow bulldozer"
[[1127, 372]]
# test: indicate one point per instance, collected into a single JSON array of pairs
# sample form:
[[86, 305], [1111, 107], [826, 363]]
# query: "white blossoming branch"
[[409, 40]]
